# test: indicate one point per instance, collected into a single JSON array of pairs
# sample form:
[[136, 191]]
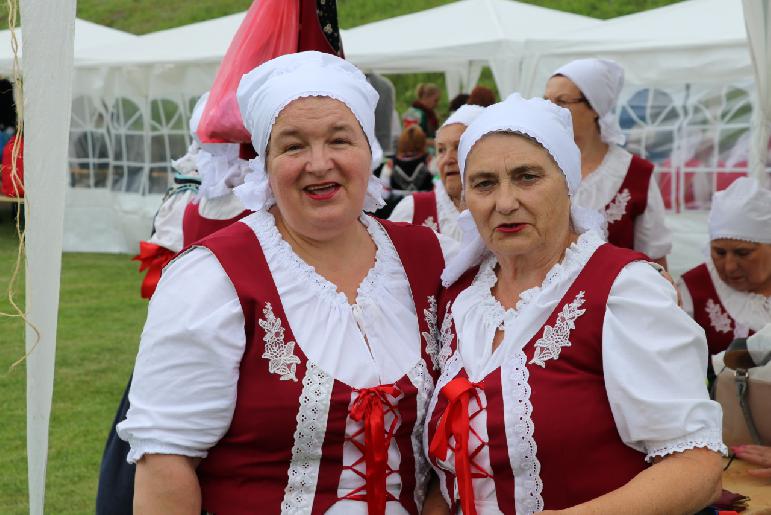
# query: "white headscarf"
[[741, 212], [218, 164], [600, 80], [186, 164], [265, 91], [464, 115], [548, 124]]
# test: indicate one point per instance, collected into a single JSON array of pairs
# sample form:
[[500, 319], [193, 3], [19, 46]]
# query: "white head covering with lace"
[[741, 212], [464, 115], [600, 80], [546, 123], [265, 91]]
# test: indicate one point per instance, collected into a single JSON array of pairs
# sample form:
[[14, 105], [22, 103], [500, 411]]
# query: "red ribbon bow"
[[152, 258], [368, 407], [455, 422]]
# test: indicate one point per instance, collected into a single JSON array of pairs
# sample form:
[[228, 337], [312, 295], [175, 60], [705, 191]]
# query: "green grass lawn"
[[100, 319]]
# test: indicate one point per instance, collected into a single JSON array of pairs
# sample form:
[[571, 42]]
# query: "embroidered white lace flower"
[[554, 338], [718, 318], [617, 208], [431, 223], [308, 440], [280, 355], [437, 340]]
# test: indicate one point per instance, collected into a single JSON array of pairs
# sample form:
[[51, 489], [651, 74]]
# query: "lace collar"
[[278, 252], [614, 164], [493, 312], [749, 309]]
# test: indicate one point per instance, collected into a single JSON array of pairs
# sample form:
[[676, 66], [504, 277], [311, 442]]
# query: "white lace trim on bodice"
[[750, 310]]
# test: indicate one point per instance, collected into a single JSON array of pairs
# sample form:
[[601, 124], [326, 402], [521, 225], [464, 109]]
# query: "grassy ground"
[[100, 318]]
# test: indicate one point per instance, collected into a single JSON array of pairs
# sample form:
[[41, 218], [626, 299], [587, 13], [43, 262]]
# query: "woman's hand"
[[167, 484], [757, 455]]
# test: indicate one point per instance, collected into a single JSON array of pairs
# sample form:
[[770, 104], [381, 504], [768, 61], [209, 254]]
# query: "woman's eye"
[[291, 147], [719, 252], [528, 177], [483, 184], [742, 252], [341, 141]]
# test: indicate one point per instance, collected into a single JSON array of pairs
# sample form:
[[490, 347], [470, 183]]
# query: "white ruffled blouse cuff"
[[706, 439], [141, 447]]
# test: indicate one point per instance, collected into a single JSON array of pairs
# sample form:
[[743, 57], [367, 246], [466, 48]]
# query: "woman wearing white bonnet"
[[287, 359], [221, 170], [729, 295], [571, 378], [439, 209], [615, 182]]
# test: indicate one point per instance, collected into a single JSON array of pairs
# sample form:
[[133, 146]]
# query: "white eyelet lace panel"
[[308, 439], [280, 355], [708, 439], [517, 418], [438, 341], [421, 380], [718, 318], [451, 369], [550, 344], [617, 208]]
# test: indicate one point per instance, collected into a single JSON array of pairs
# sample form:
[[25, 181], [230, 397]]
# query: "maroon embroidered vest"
[[195, 226], [580, 452], [251, 469], [425, 209], [633, 196], [708, 311]]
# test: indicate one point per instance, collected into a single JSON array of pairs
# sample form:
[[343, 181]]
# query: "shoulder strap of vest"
[[419, 251], [637, 180], [425, 207]]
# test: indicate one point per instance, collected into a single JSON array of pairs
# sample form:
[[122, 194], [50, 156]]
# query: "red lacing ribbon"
[[455, 422], [152, 258], [370, 406]]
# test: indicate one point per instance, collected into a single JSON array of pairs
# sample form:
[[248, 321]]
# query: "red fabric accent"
[[408, 412], [637, 180], [701, 288], [252, 450], [425, 207], [591, 459], [370, 407], [196, 227], [498, 445], [270, 29], [152, 258], [11, 188]]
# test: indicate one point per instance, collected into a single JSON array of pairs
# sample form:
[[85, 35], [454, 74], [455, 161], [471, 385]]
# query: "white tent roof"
[[87, 35], [692, 41]]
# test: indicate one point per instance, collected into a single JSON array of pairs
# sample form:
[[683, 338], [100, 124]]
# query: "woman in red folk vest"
[[729, 295], [615, 182], [569, 376], [287, 360], [439, 209]]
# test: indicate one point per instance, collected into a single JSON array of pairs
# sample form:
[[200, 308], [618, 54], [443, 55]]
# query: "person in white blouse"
[[439, 209], [570, 380], [287, 360], [729, 295], [615, 182]]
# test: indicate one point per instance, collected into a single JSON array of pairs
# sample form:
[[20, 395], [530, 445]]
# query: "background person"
[[615, 182], [571, 379], [422, 111]]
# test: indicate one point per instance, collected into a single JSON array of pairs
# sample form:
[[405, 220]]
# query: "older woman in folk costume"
[[729, 295], [439, 209], [615, 182], [287, 360], [573, 381]]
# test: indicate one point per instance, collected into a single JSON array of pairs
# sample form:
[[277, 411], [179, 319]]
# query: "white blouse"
[[598, 189], [654, 356], [224, 207], [445, 210], [184, 389], [168, 221]]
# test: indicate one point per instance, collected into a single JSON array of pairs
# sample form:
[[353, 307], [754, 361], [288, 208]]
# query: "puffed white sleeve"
[[652, 237], [686, 301], [655, 361], [404, 210], [183, 391], [168, 221], [759, 346]]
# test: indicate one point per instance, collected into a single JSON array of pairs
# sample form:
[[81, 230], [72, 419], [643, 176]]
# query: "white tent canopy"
[[87, 35]]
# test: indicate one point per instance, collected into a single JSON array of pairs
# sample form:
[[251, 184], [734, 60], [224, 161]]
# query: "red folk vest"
[[633, 196], [425, 209], [708, 311], [580, 452], [196, 227], [248, 471]]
